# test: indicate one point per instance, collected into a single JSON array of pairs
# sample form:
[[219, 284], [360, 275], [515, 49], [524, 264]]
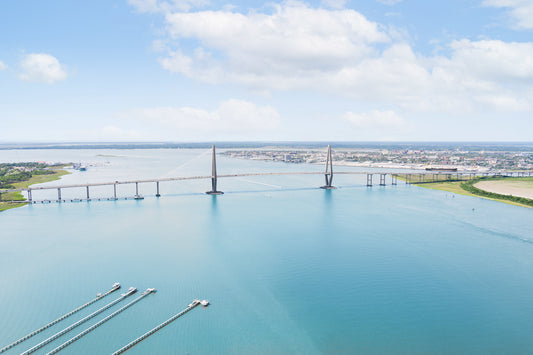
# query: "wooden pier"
[[130, 345], [130, 292], [115, 287], [112, 315]]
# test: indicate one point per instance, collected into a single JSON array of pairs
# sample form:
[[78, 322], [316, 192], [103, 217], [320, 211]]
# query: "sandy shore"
[[515, 188]]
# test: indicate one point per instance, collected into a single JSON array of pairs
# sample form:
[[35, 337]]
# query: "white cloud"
[[41, 67], [2, 66], [375, 120], [166, 6], [294, 36], [521, 11], [298, 47], [235, 117]]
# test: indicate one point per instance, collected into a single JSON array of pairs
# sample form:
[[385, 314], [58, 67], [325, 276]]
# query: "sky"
[[208, 70]]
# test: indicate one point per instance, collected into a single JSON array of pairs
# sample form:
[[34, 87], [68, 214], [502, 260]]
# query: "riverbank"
[[471, 188], [35, 179], [522, 187]]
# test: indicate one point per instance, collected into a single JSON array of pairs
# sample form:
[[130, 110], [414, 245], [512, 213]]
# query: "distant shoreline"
[[500, 195], [471, 146], [35, 179]]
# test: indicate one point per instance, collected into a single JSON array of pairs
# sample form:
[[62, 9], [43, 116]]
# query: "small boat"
[[82, 168], [116, 285], [204, 303]]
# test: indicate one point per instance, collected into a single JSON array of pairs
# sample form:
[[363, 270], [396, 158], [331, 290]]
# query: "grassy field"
[[455, 187], [17, 196]]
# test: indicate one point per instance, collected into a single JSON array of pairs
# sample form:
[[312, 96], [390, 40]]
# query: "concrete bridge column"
[[382, 179], [137, 196], [369, 179], [58, 194], [29, 196], [88, 196], [157, 194], [394, 179], [115, 191]]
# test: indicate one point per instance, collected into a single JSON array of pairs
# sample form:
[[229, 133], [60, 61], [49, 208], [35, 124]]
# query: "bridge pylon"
[[214, 190], [328, 175]]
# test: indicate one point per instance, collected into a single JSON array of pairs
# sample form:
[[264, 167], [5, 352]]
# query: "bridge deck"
[[179, 178]]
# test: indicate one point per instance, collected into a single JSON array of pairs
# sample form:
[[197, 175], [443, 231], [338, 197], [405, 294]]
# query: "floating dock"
[[164, 324], [90, 329], [115, 287], [131, 291]]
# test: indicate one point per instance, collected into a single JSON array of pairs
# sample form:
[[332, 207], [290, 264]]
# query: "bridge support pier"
[[88, 197], [394, 179], [115, 191], [328, 175], [157, 194], [137, 196], [382, 179], [29, 196], [214, 190], [369, 180], [58, 194]]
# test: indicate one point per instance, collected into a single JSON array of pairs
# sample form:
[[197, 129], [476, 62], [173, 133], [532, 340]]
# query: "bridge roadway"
[[431, 173]]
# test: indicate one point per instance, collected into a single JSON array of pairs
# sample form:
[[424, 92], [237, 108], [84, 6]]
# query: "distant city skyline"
[[206, 70]]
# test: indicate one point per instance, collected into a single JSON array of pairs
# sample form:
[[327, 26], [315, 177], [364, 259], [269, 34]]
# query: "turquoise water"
[[288, 268]]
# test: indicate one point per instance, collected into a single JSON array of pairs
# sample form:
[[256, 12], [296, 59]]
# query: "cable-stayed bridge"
[[409, 178]]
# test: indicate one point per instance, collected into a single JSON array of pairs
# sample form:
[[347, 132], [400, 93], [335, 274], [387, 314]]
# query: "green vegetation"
[[469, 186], [22, 175], [466, 187]]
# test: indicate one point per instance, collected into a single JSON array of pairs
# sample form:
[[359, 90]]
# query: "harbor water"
[[287, 267]]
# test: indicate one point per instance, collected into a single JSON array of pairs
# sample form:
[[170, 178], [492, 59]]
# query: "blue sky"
[[205, 70]]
